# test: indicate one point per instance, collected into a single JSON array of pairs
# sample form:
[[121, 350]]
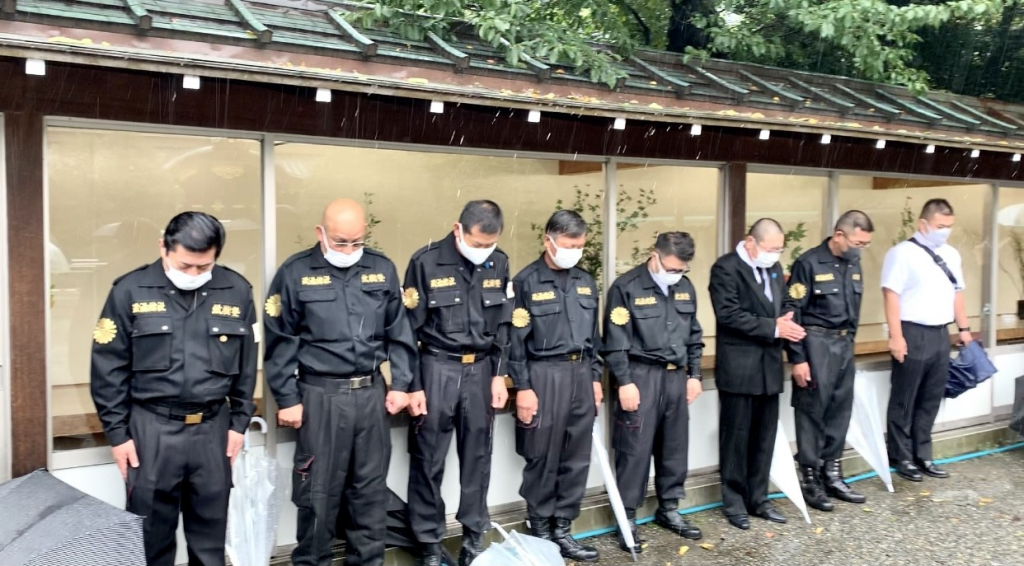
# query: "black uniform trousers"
[[459, 401], [556, 444], [182, 469], [659, 428], [918, 387], [342, 455], [822, 410], [746, 441]]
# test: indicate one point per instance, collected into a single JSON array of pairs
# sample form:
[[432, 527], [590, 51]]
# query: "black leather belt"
[[189, 413], [653, 362], [584, 357], [463, 358], [827, 331], [338, 383]]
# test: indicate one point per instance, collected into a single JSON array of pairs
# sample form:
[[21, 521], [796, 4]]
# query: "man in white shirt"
[[922, 287]]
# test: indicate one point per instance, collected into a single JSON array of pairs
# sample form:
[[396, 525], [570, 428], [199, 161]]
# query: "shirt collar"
[[449, 252], [742, 252]]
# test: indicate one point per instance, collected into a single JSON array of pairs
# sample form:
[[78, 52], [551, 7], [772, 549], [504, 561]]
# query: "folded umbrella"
[[865, 433], [520, 550], [783, 473], [252, 510], [970, 368], [618, 509]]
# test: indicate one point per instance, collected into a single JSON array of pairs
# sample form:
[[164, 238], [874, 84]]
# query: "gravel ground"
[[976, 517]]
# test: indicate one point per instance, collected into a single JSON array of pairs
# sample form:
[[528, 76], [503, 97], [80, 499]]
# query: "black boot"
[[570, 547], [431, 555], [814, 493], [540, 527], [836, 486], [668, 517], [631, 516], [472, 546]]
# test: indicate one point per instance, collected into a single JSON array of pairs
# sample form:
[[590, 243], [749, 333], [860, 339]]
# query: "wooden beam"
[[844, 107], [984, 117], [738, 92], [889, 112], [917, 110], [681, 88], [582, 167], [887, 183], [446, 50], [139, 14], [931, 104], [542, 71], [26, 241], [795, 101], [365, 44], [263, 34], [736, 202]]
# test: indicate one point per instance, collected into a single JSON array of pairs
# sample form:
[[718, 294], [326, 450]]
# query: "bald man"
[[333, 315]]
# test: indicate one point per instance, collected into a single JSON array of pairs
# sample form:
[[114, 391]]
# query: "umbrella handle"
[[263, 430]]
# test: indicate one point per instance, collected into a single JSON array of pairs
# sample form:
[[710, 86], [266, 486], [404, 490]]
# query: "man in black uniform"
[[456, 293], [173, 372], [824, 295], [653, 346], [557, 376], [333, 316]]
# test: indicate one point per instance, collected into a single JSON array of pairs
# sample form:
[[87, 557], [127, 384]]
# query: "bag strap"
[[938, 261]]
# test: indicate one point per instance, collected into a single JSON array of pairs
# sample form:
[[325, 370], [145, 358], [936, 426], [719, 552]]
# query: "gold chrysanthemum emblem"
[[619, 316], [273, 306], [105, 331], [520, 318], [797, 291], [411, 298]]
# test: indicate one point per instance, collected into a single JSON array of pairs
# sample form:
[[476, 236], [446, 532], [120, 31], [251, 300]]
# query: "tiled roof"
[[657, 83]]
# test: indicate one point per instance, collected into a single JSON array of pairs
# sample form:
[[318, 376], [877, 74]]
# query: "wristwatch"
[[967, 329]]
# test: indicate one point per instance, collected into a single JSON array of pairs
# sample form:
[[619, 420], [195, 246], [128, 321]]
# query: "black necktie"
[[764, 281]]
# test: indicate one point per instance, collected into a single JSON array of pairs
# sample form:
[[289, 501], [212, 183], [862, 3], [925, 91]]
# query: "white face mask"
[[187, 282], [937, 236], [341, 260], [565, 258], [476, 256], [767, 259], [664, 278]]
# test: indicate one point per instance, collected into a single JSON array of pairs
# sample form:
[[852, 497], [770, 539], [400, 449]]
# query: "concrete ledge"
[[702, 489]]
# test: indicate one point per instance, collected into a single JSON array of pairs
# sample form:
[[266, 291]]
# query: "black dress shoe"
[[909, 471], [668, 517], [739, 521], [638, 548], [814, 492], [569, 547], [472, 546], [431, 555], [929, 467], [770, 513], [836, 486]]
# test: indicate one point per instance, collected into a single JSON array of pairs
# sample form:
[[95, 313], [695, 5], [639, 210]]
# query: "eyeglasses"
[[348, 245], [856, 243], [682, 271]]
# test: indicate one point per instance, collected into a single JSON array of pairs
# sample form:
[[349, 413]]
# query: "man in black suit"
[[747, 289]]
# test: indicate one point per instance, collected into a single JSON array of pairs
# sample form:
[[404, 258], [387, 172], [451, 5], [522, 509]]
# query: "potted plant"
[[792, 243]]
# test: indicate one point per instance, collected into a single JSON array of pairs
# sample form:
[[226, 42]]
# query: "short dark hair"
[[196, 232], [936, 206], [566, 223], [482, 214], [677, 244], [764, 227], [851, 220]]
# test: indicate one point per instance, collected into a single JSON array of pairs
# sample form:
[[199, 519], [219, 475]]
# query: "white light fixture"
[[620, 124], [191, 82], [533, 117], [436, 107], [35, 67], [929, 149], [976, 154], [880, 144], [323, 95], [826, 139], [765, 134], [1016, 158], [696, 129]]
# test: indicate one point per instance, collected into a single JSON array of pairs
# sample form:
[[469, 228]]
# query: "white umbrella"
[[865, 434], [520, 550], [252, 512], [783, 473], [613, 488]]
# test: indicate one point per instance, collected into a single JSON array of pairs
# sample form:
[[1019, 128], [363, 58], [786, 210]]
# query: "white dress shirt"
[[742, 252], [926, 294]]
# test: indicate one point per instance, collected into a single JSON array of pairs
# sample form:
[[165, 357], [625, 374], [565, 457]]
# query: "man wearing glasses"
[[334, 314], [824, 295], [653, 346]]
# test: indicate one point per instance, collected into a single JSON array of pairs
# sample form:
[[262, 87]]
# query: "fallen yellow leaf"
[[683, 550], [986, 500], [867, 510], [707, 546], [655, 106], [819, 530], [418, 81], [926, 492]]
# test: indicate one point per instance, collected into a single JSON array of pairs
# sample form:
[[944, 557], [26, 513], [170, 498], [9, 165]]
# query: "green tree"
[[870, 39]]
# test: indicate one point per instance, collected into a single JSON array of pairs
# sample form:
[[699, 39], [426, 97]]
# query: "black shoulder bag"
[[938, 261]]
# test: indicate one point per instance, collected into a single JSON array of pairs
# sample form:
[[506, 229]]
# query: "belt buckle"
[[671, 367], [574, 357], [842, 332], [195, 418], [468, 358]]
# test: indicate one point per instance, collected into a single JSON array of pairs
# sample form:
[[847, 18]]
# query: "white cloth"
[[926, 294], [742, 252]]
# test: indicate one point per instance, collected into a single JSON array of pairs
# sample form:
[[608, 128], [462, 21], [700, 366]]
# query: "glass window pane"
[[110, 196], [894, 205], [1010, 278], [660, 198], [794, 201]]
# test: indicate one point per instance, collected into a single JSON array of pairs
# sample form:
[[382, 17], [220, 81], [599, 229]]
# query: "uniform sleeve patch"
[[273, 306], [105, 331], [619, 316], [411, 298], [520, 318], [797, 291]]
